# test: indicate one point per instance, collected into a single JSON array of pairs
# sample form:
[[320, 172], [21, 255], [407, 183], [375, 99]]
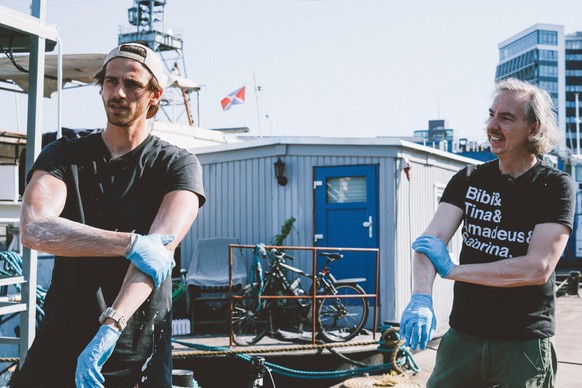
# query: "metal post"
[[577, 127], [33, 146], [257, 89], [198, 107], [59, 89], [257, 372], [574, 283]]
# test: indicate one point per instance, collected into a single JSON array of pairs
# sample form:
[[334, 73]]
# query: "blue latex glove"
[[150, 256], [437, 252], [91, 360], [418, 321]]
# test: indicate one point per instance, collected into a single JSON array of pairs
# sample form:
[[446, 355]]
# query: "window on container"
[[346, 189]]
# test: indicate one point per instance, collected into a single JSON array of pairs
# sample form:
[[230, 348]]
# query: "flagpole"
[[257, 101]]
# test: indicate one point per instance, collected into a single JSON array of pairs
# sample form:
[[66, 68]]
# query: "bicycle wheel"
[[249, 324], [341, 319]]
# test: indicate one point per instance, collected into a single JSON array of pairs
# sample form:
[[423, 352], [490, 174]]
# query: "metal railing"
[[313, 296]]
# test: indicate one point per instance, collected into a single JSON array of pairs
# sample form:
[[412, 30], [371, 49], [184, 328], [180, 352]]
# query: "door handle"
[[368, 224]]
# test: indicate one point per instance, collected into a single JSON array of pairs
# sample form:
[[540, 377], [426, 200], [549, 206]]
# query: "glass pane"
[[346, 189], [578, 175]]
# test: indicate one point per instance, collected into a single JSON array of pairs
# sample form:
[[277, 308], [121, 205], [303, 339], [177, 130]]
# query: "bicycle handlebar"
[[282, 255]]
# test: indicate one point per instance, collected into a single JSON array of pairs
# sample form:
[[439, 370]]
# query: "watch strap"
[[119, 319]]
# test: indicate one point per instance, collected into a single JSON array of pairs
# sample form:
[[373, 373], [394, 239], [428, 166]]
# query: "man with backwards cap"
[[111, 207]]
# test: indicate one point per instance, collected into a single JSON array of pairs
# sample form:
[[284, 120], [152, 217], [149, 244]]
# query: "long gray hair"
[[540, 109]]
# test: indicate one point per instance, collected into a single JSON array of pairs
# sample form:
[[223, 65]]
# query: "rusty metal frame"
[[313, 297]]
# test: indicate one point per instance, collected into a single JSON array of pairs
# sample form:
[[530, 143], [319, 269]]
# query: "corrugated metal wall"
[[416, 206], [245, 201]]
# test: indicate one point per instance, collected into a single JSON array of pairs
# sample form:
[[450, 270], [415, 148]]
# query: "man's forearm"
[[535, 268], [443, 225], [62, 237], [515, 272], [176, 215], [136, 288], [423, 274]]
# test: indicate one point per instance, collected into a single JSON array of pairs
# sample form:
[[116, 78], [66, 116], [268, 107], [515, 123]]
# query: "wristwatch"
[[119, 319]]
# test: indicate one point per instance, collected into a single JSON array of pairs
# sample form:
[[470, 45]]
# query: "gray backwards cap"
[[143, 55]]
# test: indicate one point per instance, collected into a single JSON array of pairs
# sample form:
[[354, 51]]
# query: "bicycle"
[[337, 319]]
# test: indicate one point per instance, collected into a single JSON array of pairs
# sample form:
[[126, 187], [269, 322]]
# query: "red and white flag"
[[234, 98]]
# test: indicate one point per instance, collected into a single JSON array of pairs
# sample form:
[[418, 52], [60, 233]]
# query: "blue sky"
[[326, 67]]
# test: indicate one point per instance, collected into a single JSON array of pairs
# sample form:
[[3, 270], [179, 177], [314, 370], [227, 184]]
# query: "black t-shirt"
[[123, 194], [500, 214]]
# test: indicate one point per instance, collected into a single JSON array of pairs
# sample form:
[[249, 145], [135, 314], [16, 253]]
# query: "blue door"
[[346, 216]]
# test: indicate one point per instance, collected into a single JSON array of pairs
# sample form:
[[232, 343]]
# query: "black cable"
[[570, 363], [10, 55], [271, 376], [6, 318]]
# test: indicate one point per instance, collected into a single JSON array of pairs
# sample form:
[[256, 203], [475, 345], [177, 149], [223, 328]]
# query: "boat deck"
[[216, 364]]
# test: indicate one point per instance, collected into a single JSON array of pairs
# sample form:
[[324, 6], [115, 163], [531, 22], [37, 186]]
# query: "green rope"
[[178, 292], [391, 344], [301, 373]]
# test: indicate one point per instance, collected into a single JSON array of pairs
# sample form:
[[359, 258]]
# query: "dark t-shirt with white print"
[[122, 194], [500, 214]]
